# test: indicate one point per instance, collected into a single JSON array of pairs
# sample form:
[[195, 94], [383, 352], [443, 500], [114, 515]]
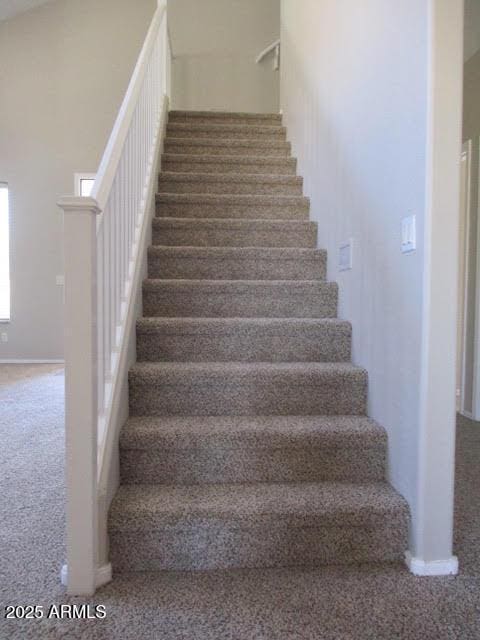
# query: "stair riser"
[[222, 268], [294, 394], [305, 237], [212, 544], [258, 302], [231, 187], [283, 169], [233, 132], [229, 211], [214, 464], [209, 148], [325, 344], [275, 121]]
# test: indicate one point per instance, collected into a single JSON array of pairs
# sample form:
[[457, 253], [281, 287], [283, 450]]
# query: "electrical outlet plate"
[[345, 256]]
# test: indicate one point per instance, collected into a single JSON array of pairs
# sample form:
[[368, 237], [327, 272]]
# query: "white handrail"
[[105, 237], [111, 156], [275, 46]]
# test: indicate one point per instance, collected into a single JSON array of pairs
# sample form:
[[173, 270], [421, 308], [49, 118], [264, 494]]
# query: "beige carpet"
[[366, 603]]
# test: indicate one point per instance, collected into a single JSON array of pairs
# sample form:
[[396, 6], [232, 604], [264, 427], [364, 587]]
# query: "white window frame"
[[3, 183], [77, 179]]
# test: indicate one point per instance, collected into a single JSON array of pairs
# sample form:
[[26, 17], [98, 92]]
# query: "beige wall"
[[64, 68], [471, 97], [215, 43], [471, 41], [471, 131]]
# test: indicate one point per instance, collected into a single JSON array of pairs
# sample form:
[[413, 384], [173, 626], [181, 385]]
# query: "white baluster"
[[98, 273]]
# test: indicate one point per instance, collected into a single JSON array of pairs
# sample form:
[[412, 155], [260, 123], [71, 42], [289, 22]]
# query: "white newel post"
[[81, 389]]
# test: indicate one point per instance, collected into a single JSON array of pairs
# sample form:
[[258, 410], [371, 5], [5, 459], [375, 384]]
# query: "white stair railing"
[[104, 239]]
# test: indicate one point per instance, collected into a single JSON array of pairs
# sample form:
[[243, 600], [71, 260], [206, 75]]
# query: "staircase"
[[248, 443]]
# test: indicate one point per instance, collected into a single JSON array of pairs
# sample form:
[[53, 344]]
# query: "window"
[[4, 254], [84, 184]]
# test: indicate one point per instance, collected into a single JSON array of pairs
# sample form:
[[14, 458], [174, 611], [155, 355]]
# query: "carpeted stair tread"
[[217, 526], [224, 117], [229, 178], [187, 432], [237, 449], [225, 131], [178, 162], [235, 199], [219, 146], [240, 298], [234, 232], [173, 372], [191, 205], [243, 339], [301, 504], [256, 525], [245, 388], [229, 183], [236, 263]]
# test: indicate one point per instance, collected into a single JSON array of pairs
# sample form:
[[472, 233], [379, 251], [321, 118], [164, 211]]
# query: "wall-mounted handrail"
[[275, 46], [105, 238]]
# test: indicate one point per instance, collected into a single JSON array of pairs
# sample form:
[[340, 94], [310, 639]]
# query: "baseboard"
[[104, 575], [419, 567], [16, 361]]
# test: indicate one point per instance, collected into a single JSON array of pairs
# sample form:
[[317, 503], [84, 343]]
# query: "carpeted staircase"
[[248, 443]]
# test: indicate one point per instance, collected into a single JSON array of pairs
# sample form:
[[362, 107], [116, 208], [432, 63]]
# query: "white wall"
[[354, 92], [215, 43], [64, 68], [433, 524]]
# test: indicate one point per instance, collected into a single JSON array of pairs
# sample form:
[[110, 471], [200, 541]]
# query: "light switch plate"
[[409, 234], [60, 280], [4, 337], [345, 256]]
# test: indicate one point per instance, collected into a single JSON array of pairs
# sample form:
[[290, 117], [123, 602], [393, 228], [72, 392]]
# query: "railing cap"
[[79, 204]]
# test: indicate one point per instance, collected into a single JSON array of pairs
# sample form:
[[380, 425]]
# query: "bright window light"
[[86, 185], [4, 254], [83, 184]]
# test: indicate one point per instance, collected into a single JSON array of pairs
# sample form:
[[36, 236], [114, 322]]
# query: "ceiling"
[[10, 8]]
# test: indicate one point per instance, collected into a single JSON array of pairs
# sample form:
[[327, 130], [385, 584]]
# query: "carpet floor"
[[356, 603]]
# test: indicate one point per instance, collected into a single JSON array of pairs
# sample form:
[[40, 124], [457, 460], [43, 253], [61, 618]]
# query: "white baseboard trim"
[[104, 575], [14, 361], [419, 567]]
